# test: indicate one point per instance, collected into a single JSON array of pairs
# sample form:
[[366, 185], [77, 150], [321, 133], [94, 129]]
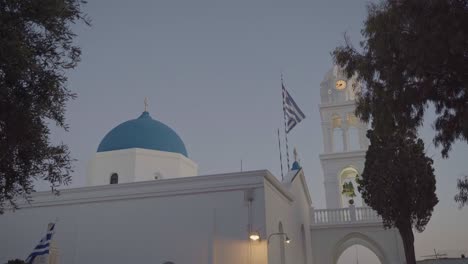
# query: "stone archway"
[[330, 238], [358, 254], [358, 239]]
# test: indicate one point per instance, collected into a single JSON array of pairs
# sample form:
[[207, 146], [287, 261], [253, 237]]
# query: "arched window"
[[281, 241], [337, 133], [353, 132], [157, 175], [338, 140], [353, 137], [114, 178]]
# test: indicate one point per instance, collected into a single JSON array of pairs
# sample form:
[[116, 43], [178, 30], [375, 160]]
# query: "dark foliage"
[[398, 182], [462, 196], [414, 53], [36, 49]]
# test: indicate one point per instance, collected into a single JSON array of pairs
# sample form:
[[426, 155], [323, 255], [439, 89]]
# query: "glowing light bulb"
[[254, 236]]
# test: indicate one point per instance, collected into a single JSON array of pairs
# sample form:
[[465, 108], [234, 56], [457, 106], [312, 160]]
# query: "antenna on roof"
[[145, 102], [285, 122], [436, 255], [281, 157]]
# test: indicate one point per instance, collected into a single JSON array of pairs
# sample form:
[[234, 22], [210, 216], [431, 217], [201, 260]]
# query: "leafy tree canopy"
[[462, 196], [398, 182], [36, 49], [414, 53]]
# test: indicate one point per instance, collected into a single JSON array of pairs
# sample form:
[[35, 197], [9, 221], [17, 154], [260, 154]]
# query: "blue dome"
[[143, 132], [296, 166]]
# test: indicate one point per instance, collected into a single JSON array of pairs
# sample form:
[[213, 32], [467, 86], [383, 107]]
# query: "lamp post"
[[255, 236], [286, 238]]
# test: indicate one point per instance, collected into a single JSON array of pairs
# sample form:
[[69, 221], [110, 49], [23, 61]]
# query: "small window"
[[114, 179], [157, 175]]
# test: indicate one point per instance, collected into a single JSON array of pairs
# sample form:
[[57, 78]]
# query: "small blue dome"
[[296, 166], [143, 132]]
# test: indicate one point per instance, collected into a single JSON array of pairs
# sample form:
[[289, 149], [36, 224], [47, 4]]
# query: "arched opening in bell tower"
[[352, 123], [349, 187], [337, 129]]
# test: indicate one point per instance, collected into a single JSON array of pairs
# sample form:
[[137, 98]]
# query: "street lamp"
[[286, 238]]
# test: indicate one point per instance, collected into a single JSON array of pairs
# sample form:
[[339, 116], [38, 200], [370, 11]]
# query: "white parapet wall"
[[335, 230], [200, 219], [348, 215], [136, 164]]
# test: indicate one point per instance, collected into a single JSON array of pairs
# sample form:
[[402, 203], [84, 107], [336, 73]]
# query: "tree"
[[415, 53], [462, 196], [398, 182], [36, 49]]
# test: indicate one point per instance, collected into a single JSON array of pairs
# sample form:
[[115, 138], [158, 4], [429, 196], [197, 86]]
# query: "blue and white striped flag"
[[292, 112], [42, 249]]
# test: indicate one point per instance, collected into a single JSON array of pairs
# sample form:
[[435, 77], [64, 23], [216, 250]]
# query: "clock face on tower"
[[340, 84]]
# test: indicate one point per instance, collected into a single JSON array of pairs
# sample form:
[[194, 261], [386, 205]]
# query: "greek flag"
[[292, 113], [42, 249]]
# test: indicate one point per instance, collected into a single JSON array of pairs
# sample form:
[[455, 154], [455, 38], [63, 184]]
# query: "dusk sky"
[[211, 71]]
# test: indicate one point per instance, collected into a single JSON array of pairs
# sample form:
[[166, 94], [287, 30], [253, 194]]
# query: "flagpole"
[[281, 156], [285, 123]]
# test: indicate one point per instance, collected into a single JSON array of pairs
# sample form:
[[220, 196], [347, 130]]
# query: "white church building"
[[145, 203]]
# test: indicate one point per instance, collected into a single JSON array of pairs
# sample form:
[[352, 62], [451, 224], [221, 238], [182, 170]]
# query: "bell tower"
[[344, 137]]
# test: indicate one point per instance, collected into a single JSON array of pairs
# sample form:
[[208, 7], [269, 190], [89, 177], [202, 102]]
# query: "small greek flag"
[[292, 113], [42, 249]]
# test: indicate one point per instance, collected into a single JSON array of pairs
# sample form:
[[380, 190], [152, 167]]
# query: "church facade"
[[145, 202]]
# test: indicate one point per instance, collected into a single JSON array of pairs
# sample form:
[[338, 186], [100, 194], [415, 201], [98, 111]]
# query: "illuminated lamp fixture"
[[286, 238], [254, 236]]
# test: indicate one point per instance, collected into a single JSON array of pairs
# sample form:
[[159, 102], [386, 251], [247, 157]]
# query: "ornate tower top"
[[342, 130], [336, 88]]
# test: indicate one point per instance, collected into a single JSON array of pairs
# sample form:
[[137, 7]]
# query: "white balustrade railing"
[[348, 215], [366, 214]]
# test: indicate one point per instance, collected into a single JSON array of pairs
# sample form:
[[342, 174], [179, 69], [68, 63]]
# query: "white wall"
[[104, 164], [187, 220], [292, 212], [170, 165], [138, 165]]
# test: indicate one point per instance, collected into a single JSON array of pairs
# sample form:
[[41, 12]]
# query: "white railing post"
[[312, 215], [352, 212]]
